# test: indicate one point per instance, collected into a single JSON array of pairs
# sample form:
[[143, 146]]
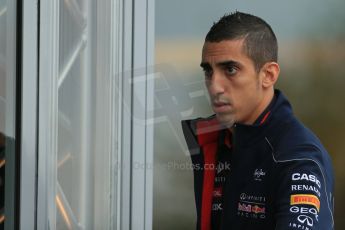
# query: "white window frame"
[[135, 186], [133, 44]]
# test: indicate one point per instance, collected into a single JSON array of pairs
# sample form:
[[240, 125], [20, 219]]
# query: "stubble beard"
[[226, 120]]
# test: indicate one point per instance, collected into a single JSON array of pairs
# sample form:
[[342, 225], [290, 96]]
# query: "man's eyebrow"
[[229, 63], [205, 65]]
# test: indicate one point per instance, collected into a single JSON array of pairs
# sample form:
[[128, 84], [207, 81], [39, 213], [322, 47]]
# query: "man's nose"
[[216, 84]]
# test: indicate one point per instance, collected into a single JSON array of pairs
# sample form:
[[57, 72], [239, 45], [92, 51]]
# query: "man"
[[255, 165]]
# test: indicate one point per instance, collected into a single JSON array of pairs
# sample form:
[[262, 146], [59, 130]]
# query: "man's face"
[[232, 82]]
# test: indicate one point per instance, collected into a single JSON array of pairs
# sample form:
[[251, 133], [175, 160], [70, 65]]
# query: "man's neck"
[[264, 114], [265, 102]]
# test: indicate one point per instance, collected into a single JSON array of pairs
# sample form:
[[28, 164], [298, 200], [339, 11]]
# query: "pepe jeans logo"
[[258, 174]]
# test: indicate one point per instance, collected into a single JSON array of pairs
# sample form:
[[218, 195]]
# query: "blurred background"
[[311, 38]]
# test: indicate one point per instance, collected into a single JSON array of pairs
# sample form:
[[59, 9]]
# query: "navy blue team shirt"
[[274, 174]]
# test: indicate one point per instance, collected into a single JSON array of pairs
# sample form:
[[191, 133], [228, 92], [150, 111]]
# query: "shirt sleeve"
[[304, 198]]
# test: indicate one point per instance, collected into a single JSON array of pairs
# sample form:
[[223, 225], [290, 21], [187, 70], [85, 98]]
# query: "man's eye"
[[208, 73], [231, 70]]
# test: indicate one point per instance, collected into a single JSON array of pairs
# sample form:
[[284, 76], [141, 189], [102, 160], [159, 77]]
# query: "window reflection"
[[7, 112]]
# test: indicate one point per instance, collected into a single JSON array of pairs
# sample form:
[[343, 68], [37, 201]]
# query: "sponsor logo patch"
[[256, 209], [306, 177], [217, 207], [252, 206], [305, 199], [258, 174], [305, 211], [252, 198], [299, 226], [303, 187], [217, 192], [304, 219], [251, 211], [219, 179]]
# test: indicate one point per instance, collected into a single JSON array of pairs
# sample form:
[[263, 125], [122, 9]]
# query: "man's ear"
[[270, 72]]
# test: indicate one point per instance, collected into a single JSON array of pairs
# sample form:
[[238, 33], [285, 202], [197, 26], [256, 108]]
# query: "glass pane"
[[84, 168], [70, 144], [72, 23], [7, 112]]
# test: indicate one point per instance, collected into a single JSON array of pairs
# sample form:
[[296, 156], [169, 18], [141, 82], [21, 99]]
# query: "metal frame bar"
[[29, 115], [48, 114], [117, 18], [125, 92], [150, 61], [86, 168], [106, 121], [139, 167], [137, 100]]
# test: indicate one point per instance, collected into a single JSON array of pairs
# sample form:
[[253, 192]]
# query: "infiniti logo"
[[305, 220], [253, 198], [243, 196]]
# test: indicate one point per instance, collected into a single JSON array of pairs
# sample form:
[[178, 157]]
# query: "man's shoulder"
[[297, 142], [199, 132], [194, 121]]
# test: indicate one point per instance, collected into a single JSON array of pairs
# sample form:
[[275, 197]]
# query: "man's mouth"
[[221, 107]]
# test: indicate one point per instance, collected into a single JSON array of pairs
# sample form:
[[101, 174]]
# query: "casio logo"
[[307, 177]]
